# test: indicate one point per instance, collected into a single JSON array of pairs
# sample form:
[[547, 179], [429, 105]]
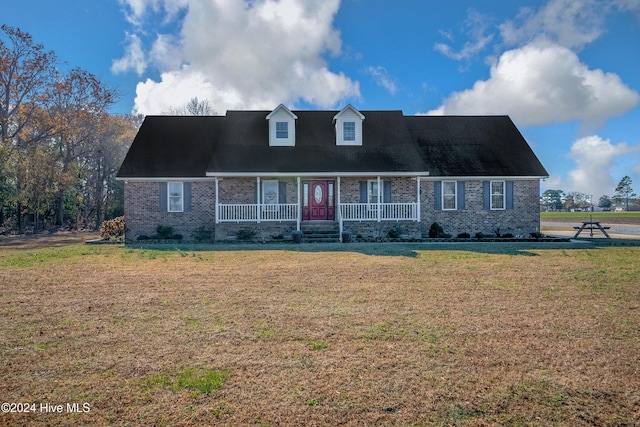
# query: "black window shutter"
[[255, 191], [282, 192], [437, 195], [460, 191], [486, 195], [186, 189], [162, 196], [508, 194], [363, 192], [386, 198]]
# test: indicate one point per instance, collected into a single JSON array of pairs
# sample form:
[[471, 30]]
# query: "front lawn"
[[402, 334]]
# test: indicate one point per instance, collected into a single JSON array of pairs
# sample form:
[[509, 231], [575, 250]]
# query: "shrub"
[[143, 237], [537, 235], [112, 228], [394, 233], [479, 236], [164, 232], [202, 234], [464, 236], [507, 236], [437, 232], [246, 234]]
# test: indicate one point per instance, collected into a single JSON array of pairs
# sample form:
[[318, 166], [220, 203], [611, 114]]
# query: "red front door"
[[318, 200]]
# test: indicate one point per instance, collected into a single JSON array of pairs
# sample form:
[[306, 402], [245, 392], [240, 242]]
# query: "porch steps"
[[320, 232]]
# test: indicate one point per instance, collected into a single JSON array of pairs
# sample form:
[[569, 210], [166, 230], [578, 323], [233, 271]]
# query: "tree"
[[604, 202], [194, 107], [552, 199], [104, 196], [59, 147], [624, 190], [80, 100], [26, 73]]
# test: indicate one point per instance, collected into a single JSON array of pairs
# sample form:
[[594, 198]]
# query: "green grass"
[[581, 215], [46, 256], [203, 381], [319, 345]]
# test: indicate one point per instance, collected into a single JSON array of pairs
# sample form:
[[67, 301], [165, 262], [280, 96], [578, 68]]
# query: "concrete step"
[[320, 232]]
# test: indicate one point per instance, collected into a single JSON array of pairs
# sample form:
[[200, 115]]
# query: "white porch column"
[[379, 205], [299, 204], [259, 210], [217, 212], [339, 207], [418, 197]]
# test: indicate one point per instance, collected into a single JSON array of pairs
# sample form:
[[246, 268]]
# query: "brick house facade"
[[362, 172]]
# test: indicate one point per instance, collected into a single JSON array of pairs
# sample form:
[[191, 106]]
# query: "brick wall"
[[403, 190], [143, 215], [142, 210], [243, 190], [524, 218], [262, 232]]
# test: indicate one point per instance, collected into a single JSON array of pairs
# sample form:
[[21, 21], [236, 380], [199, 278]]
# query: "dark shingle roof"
[[473, 146], [182, 146], [244, 145], [172, 147]]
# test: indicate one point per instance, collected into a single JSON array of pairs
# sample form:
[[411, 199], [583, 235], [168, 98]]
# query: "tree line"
[[60, 148], [624, 197]]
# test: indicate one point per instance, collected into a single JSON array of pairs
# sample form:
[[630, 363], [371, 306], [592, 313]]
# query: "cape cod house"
[[268, 174]]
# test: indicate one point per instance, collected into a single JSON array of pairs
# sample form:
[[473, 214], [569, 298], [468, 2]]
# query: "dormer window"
[[282, 127], [348, 126], [349, 131], [282, 130]]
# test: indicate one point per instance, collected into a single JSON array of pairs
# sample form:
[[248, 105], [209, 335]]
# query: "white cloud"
[[569, 23], [244, 55], [595, 159], [543, 83], [382, 78], [476, 28], [133, 59]]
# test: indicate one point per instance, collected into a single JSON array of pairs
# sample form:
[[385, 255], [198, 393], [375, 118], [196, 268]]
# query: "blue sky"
[[566, 71]]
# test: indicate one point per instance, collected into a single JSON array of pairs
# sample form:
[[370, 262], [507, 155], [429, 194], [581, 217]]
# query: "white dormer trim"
[[281, 135], [348, 124]]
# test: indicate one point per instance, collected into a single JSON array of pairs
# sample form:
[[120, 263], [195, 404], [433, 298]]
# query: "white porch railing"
[[388, 211], [244, 212]]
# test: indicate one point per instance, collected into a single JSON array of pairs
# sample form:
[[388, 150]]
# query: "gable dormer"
[[282, 127], [348, 126]]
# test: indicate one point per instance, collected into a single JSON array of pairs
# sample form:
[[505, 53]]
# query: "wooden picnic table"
[[591, 225]]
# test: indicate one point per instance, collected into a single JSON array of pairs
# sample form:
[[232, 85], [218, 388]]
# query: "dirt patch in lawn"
[[287, 337], [45, 240]]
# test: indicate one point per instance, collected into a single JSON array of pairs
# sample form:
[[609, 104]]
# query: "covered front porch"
[[318, 198]]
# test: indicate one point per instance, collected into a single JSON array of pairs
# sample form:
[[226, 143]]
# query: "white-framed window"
[[349, 131], [282, 130], [270, 192], [282, 127], [372, 191], [175, 197], [497, 194], [449, 195], [348, 123]]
